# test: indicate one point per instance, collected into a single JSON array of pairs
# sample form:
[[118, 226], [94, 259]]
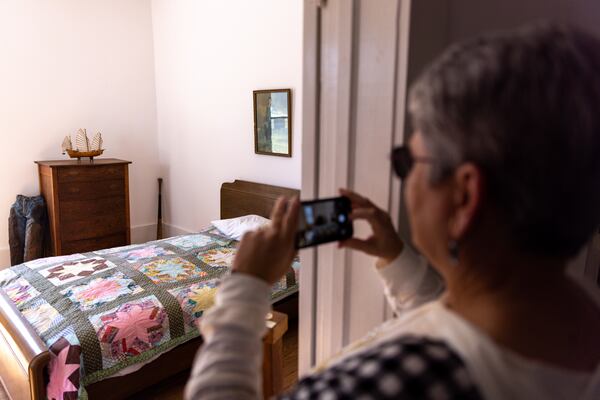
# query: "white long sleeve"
[[409, 282], [229, 363]]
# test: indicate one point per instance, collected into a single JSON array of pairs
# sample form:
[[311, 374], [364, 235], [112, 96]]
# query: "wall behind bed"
[[67, 64], [209, 57]]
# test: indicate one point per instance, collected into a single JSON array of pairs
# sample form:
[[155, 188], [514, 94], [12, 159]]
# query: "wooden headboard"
[[243, 198]]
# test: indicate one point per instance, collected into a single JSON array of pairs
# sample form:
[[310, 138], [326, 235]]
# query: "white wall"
[[67, 64], [210, 56]]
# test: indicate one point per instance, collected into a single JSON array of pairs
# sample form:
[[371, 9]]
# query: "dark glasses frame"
[[403, 161]]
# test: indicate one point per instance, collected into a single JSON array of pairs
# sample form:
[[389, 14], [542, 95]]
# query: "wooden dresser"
[[88, 204]]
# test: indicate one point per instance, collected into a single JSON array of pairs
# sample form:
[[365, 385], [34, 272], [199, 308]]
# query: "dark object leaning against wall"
[[27, 229]]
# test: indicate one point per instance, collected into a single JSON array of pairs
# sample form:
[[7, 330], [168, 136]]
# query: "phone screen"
[[323, 221]]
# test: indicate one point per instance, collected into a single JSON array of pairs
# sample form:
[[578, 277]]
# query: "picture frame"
[[273, 122]]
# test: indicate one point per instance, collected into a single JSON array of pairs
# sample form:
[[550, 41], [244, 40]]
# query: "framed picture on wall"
[[273, 122]]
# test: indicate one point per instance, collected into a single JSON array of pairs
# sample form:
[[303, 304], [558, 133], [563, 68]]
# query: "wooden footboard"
[[23, 366], [273, 355], [13, 377], [24, 356]]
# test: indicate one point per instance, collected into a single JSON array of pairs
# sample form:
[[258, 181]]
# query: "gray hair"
[[524, 106]]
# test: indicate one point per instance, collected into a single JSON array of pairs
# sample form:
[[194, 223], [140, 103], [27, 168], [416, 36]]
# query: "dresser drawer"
[[91, 190], [74, 210], [84, 219], [91, 174], [93, 226], [100, 243]]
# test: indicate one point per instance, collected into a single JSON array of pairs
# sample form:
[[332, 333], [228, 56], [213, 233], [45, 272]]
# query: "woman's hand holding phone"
[[384, 243], [268, 252]]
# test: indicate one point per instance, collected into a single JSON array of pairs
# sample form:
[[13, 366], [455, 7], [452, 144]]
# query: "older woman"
[[502, 186]]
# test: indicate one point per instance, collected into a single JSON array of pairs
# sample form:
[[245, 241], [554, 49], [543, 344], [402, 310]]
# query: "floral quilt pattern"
[[171, 270], [100, 291], [218, 258], [103, 311], [42, 316], [73, 270], [20, 292], [114, 250], [144, 253], [131, 329], [195, 299], [64, 370], [191, 242], [45, 262]]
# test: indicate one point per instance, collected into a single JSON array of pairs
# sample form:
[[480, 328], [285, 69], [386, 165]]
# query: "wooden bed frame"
[[24, 357]]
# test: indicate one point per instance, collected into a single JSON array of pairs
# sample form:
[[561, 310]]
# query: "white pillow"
[[236, 227]]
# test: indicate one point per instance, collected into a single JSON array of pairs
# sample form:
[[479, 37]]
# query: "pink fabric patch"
[[64, 374], [134, 324]]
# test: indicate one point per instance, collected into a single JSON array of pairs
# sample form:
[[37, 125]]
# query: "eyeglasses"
[[403, 161]]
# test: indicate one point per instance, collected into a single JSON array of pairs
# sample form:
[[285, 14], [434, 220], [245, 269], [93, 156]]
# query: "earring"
[[453, 250]]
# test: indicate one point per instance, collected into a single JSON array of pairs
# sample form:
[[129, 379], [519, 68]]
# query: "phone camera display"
[[323, 221]]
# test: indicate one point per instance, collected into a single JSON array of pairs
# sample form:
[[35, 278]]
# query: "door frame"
[[330, 71]]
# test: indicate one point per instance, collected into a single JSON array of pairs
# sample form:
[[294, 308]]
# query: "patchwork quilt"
[[107, 310]]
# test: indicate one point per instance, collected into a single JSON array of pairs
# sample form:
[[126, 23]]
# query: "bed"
[[118, 320]]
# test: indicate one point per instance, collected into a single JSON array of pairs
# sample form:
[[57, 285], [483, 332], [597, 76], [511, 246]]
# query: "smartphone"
[[323, 221]]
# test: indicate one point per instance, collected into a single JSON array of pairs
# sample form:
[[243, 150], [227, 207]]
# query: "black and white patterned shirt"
[[404, 368]]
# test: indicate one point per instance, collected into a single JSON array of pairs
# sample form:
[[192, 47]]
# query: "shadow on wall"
[[168, 230]]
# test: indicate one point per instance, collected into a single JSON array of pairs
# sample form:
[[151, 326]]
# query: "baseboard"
[[147, 233], [4, 258], [143, 233], [172, 230]]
